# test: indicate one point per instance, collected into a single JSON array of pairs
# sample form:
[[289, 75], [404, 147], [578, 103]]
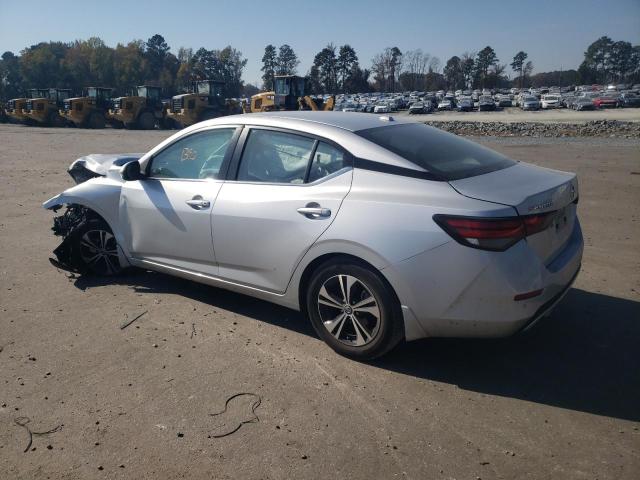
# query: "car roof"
[[350, 121]]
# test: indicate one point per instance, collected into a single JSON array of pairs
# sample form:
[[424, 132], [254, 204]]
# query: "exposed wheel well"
[[332, 257]]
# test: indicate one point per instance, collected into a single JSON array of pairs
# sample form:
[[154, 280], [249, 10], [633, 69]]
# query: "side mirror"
[[131, 171]]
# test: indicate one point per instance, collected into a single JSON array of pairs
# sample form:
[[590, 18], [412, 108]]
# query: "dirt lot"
[[560, 403], [515, 114]]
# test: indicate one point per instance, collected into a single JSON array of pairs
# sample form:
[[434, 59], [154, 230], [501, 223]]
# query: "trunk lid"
[[530, 190]]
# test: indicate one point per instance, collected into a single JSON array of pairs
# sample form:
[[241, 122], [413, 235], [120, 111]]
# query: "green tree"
[[597, 59], [485, 60], [10, 76], [453, 73], [287, 61], [326, 64], [41, 65], [156, 50], [129, 65], [269, 63], [518, 65], [347, 64]]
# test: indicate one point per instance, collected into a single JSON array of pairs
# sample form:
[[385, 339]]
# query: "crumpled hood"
[[97, 164]]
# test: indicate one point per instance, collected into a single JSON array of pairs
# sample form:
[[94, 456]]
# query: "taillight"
[[496, 234], [537, 223]]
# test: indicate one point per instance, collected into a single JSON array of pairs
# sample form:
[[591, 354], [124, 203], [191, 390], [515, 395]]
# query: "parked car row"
[[585, 97]]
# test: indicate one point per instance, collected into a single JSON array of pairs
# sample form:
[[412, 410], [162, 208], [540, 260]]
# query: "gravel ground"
[[515, 114], [560, 402]]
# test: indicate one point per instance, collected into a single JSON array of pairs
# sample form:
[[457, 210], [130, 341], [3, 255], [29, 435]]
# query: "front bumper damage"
[[64, 226]]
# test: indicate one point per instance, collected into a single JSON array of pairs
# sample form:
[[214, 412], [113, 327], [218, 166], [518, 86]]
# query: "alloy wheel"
[[348, 310], [99, 251]]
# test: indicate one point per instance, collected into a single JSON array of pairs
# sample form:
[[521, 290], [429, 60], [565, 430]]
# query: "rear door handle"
[[314, 212], [198, 203]]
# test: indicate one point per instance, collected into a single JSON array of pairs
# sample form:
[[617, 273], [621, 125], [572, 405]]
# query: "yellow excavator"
[[43, 108], [89, 111], [142, 110], [290, 92], [206, 101]]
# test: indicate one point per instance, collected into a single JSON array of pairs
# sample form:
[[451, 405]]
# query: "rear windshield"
[[443, 154]]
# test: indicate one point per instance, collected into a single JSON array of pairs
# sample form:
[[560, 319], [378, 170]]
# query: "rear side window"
[[326, 160], [443, 154]]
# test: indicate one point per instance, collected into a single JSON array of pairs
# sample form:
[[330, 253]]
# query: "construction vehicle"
[[15, 108], [290, 92], [204, 102], [89, 111], [43, 108], [142, 110]]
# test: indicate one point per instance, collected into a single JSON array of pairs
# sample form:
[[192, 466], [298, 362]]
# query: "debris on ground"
[[256, 403], [23, 422], [127, 323]]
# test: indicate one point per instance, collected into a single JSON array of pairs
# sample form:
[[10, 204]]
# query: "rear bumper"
[[456, 291]]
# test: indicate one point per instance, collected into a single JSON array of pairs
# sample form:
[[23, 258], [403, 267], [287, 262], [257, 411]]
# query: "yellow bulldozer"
[[43, 108], [89, 111], [206, 101], [290, 92], [143, 110]]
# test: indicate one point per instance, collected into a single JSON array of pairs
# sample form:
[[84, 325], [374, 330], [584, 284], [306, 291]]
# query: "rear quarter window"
[[443, 154]]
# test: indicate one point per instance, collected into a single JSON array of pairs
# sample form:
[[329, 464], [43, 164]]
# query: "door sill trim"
[[203, 276]]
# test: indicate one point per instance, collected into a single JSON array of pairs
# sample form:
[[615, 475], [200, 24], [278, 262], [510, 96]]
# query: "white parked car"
[[551, 101], [378, 229], [382, 108]]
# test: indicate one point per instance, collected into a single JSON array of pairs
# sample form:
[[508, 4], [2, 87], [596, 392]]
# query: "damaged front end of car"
[[93, 200], [64, 226]]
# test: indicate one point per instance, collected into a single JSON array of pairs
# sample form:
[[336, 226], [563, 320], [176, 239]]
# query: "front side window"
[[275, 157], [197, 156]]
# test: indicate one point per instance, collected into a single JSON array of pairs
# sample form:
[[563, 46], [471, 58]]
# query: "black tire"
[[56, 120], [146, 121], [384, 334], [96, 232], [96, 120]]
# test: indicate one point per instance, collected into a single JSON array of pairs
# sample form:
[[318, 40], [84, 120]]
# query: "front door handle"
[[314, 212], [198, 203]]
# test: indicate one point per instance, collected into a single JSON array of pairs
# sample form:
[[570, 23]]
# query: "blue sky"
[[555, 34]]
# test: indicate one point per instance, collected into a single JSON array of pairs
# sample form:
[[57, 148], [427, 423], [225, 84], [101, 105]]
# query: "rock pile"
[[594, 128]]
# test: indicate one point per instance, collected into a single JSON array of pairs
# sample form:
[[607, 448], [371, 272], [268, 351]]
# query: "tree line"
[[91, 62], [335, 69]]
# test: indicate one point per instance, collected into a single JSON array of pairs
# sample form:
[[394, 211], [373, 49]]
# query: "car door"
[[167, 213], [285, 191]]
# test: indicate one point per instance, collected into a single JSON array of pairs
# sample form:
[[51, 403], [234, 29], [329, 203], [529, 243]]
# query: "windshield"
[[281, 87], [203, 88], [443, 154]]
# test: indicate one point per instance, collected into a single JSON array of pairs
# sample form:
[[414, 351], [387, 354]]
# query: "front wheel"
[[354, 310], [94, 249]]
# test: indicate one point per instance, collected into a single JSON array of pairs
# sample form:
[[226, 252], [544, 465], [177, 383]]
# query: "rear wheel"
[[146, 121], [56, 120], [96, 120], [354, 310], [94, 248]]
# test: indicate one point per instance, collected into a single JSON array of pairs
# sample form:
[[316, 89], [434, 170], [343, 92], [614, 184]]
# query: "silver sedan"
[[378, 229]]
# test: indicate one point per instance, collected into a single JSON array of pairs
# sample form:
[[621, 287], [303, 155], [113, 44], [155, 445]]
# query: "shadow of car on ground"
[[585, 357]]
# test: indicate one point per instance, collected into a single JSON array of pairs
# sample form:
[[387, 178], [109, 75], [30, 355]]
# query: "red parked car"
[[606, 101]]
